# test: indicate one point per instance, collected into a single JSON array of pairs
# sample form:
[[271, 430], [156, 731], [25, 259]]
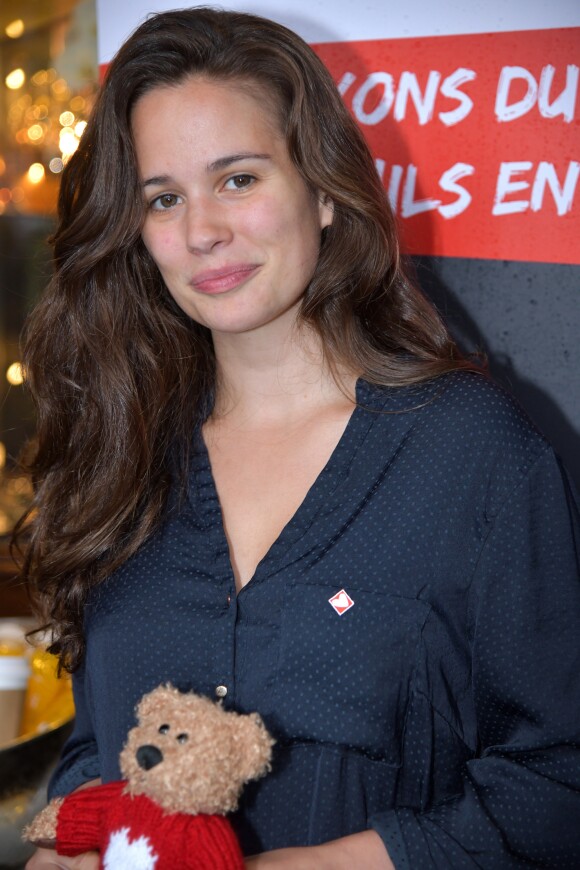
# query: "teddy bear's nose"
[[148, 756]]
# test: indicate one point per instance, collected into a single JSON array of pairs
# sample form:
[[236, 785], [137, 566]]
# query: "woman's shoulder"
[[461, 404], [475, 399], [467, 425], [474, 410]]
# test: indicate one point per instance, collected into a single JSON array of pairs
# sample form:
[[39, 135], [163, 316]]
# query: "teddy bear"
[[184, 766]]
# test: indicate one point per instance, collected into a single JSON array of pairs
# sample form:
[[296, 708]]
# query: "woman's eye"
[[164, 202], [239, 182]]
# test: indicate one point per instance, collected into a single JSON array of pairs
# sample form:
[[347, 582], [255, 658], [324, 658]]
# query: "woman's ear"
[[325, 209]]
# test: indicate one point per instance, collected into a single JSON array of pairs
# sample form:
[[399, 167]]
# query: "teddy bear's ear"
[[155, 701], [253, 746]]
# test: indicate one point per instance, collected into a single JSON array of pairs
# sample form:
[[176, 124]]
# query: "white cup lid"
[[14, 672]]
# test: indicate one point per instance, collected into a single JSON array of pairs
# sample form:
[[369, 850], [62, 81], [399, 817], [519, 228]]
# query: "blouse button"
[[221, 691]]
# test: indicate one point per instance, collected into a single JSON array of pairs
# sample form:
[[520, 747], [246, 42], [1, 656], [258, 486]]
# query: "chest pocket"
[[346, 679]]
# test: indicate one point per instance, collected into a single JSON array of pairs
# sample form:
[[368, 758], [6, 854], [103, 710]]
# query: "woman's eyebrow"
[[214, 166], [156, 180], [224, 162]]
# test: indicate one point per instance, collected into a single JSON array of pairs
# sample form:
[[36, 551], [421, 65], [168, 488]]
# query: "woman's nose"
[[208, 225]]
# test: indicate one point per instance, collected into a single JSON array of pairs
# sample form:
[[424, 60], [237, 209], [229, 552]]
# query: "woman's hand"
[[48, 859], [365, 851]]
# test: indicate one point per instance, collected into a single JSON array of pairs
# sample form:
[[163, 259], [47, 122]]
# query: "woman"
[[265, 473]]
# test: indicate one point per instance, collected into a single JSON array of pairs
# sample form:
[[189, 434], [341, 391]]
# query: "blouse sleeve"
[[520, 802], [80, 758]]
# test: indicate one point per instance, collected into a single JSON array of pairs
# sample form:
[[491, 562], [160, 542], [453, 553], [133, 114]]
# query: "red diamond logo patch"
[[341, 602]]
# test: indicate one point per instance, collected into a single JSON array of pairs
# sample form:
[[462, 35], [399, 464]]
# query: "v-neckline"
[[335, 470]]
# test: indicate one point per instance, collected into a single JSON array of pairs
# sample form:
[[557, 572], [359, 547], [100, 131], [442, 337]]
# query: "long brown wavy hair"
[[119, 374]]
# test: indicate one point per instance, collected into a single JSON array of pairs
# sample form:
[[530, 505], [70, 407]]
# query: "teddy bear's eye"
[[163, 729], [182, 738]]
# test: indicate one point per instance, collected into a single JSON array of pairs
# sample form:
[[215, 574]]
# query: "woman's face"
[[230, 223]]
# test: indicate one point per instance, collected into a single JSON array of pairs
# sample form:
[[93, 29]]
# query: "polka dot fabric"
[[442, 708]]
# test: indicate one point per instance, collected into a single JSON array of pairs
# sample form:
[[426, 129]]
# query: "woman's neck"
[[274, 377]]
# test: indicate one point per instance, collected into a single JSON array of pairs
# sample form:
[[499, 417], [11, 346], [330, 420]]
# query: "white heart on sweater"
[[123, 854]]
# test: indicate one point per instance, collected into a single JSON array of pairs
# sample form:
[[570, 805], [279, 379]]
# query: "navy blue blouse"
[[412, 639]]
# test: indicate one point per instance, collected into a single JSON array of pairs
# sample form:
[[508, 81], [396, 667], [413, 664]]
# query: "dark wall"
[[24, 270], [526, 317]]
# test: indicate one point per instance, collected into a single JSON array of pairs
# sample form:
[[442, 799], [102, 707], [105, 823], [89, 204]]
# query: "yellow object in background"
[[12, 646], [49, 699]]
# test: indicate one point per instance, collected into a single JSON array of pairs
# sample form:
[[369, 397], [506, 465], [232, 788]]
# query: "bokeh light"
[[67, 119], [15, 79], [36, 173], [15, 28], [14, 374]]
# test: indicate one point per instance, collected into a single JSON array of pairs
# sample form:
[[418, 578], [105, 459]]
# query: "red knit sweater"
[[134, 832]]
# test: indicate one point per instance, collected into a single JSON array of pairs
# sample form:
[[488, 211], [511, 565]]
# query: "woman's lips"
[[222, 280]]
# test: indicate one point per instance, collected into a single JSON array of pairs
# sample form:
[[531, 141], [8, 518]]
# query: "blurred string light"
[[15, 374], [35, 132], [40, 77], [67, 142], [60, 89], [36, 173], [15, 79], [15, 28], [47, 117]]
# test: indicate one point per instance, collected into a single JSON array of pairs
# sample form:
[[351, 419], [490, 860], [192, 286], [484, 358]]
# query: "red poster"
[[476, 137]]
